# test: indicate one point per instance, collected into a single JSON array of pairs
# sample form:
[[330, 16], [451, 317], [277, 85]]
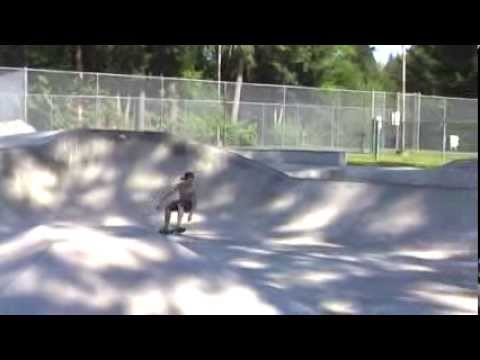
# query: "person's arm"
[[166, 195]]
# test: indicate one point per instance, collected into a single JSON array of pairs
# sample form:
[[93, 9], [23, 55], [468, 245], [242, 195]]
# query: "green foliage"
[[173, 60], [320, 65], [449, 70], [50, 109], [203, 127], [62, 84], [208, 126], [326, 66], [279, 64], [12, 55], [445, 70], [422, 159], [124, 59], [238, 58], [287, 134], [240, 134]]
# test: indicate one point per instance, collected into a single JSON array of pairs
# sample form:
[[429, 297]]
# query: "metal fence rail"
[[222, 113]]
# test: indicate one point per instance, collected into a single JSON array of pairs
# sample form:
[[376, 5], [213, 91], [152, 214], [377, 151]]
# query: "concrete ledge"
[[15, 127], [443, 177], [322, 158], [27, 139], [453, 177]]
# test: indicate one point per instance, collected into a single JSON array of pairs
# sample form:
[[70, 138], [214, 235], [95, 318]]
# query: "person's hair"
[[188, 175]]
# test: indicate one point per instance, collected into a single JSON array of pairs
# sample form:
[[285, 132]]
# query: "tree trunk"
[[118, 120], [219, 78], [278, 117], [141, 112], [77, 58], [173, 115], [80, 115], [219, 75], [238, 91], [127, 114]]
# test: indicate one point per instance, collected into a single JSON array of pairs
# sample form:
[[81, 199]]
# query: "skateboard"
[[173, 232]]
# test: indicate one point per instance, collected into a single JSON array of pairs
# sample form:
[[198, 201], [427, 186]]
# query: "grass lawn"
[[422, 159]]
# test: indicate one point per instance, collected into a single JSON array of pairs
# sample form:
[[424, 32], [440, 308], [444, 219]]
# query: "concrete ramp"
[[15, 127], [64, 268], [78, 235]]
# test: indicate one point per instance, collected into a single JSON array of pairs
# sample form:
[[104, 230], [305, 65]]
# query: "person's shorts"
[[185, 204]]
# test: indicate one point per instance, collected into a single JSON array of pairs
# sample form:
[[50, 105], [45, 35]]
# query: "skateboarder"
[[186, 203]]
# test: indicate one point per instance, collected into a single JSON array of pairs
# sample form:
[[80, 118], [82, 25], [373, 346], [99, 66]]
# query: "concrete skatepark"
[[78, 232]]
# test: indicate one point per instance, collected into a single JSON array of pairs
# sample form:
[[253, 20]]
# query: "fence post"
[[224, 123], [397, 126], [284, 117], [302, 136], [141, 111], [80, 107], [444, 145], [378, 130], [332, 127], [97, 99], [217, 127], [338, 119], [162, 104], [227, 114], [263, 125], [219, 103], [372, 119], [404, 119], [25, 94], [384, 116], [419, 118], [184, 121]]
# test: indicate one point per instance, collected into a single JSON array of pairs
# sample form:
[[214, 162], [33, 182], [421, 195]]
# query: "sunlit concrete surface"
[[15, 127], [457, 176], [78, 235]]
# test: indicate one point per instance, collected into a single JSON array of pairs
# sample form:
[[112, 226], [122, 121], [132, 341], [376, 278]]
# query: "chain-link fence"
[[228, 114], [12, 94]]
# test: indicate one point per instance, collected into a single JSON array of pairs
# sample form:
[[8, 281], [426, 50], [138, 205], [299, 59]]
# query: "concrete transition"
[[323, 158], [15, 127], [78, 234]]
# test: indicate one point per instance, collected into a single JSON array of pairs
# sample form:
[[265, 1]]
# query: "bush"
[[206, 128]]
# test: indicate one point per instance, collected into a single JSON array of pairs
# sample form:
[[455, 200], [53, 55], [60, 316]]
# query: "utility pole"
[[404, 92], [219, 71]]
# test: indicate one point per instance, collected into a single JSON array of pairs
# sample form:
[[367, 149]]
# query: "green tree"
[[123, 59], [373, 76], [13, 55], [445, 70], [345, 66], [239, 62], [174, 60], [275, 64], [339, 69]]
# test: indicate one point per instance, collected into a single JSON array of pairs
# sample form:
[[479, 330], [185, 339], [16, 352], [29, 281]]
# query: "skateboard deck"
[[173, 232]]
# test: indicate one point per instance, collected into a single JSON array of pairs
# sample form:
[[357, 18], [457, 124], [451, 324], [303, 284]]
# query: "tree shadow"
[[36, 304], [342, 254]]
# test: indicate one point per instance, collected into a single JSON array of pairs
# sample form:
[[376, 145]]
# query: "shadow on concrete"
[[303, 246]]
